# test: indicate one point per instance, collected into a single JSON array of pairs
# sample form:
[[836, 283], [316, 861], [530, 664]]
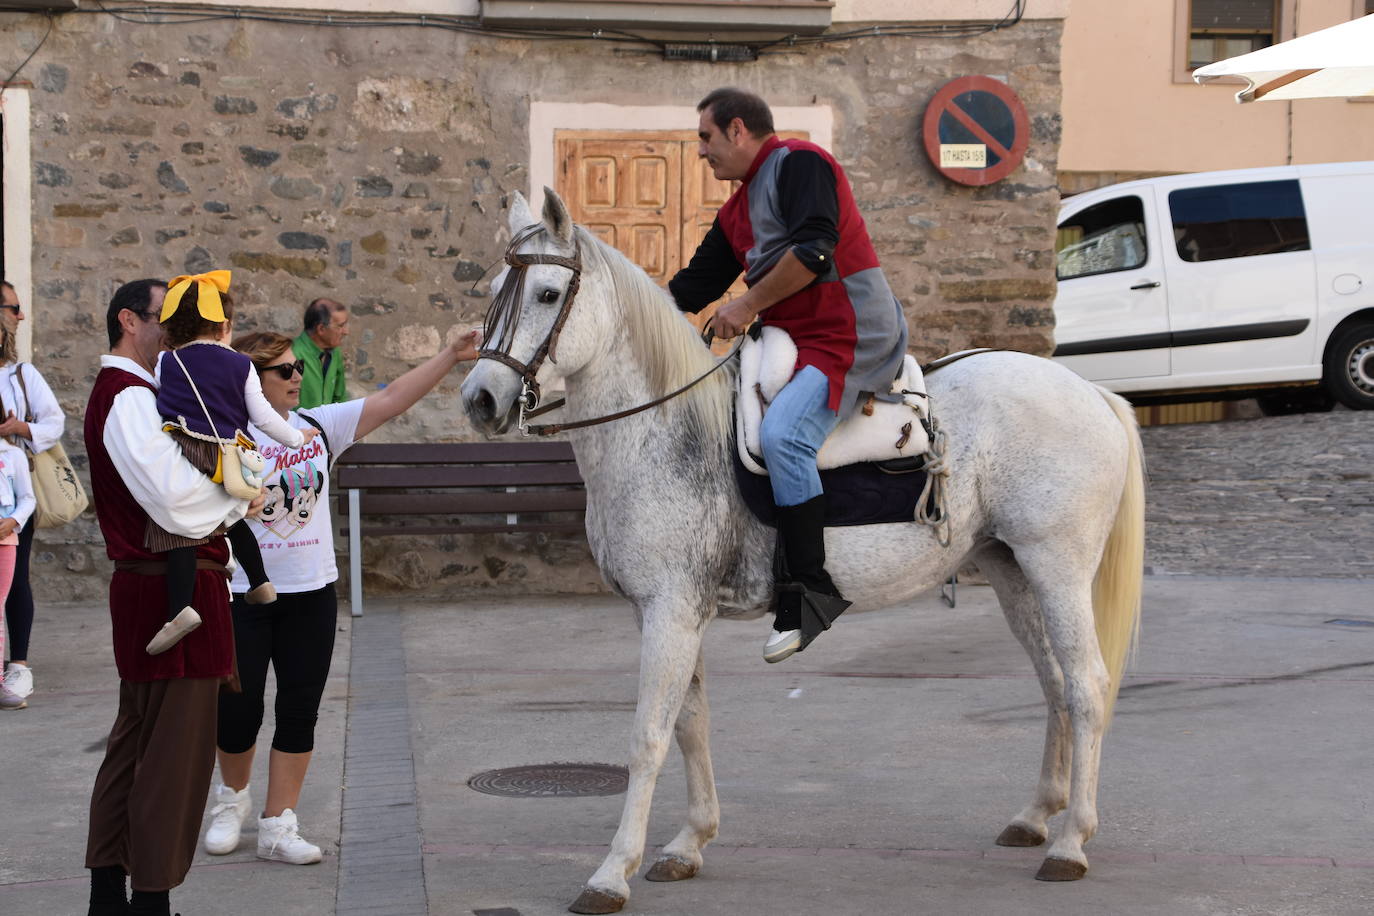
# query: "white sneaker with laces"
[[279, 840], [226, 820], [17, 687]]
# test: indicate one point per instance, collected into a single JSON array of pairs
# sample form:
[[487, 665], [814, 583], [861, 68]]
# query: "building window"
[[1218, 29]]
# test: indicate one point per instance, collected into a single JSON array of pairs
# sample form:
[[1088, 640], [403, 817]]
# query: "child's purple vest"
[[220, 374]]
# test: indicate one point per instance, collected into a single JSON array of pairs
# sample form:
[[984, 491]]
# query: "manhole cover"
[[553, 780]]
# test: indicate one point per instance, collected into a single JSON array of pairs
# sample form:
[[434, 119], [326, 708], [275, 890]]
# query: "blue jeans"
[[794, 428]]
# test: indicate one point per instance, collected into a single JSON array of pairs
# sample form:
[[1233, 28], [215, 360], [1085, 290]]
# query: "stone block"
[[234, 105], [372, 186], [51, 176], [998, 290], [294, 188], [296, 266], [375, 243], [84, 211], [168, 178], [53, 78], [258, 158], [302, 241]]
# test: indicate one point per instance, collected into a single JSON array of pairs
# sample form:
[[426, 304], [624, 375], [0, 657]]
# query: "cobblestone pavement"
[[1275, 496]]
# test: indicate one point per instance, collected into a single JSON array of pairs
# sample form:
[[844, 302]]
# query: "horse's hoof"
[[592, 900], [1016, 835], [671, 868], [1061, 870]]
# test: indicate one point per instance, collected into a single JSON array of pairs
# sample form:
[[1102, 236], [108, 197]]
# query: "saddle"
[[891, 426]]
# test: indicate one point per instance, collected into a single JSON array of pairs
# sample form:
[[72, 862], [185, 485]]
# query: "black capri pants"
[[296, 635]]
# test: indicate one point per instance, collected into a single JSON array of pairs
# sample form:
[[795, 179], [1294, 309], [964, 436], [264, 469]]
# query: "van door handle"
[[1148, 284]]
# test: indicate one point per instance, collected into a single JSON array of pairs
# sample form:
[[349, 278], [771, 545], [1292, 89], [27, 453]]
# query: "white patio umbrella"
[[1333, 63]]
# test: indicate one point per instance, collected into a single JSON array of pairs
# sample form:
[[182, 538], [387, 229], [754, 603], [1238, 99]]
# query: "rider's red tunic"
[[847, 323]]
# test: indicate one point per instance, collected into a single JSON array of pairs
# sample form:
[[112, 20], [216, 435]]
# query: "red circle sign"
[[976, 130]]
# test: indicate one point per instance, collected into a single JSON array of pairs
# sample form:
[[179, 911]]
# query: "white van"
[[1247, 282]]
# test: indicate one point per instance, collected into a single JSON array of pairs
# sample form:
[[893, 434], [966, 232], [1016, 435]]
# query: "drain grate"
[[553, 780]]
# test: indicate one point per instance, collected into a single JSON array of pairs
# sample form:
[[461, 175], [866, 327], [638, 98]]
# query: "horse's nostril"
[[484, 405]]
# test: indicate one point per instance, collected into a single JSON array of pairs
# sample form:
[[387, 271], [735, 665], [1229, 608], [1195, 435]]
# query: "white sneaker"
[[781, 645], [17, 687], [184, 622], [226, 820], [279, 840]]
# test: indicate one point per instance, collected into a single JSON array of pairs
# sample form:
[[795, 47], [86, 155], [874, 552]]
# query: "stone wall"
[[373, 165]]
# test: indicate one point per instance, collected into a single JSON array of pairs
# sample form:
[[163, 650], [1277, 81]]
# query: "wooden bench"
[[454, 488]]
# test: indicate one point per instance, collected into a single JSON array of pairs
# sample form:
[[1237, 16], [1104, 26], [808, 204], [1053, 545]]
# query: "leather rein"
[[504, 315]]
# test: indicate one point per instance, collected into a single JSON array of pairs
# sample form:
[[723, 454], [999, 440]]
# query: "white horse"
[[1046, 496]]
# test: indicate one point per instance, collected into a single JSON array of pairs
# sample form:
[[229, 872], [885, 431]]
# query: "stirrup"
[[802, 608]]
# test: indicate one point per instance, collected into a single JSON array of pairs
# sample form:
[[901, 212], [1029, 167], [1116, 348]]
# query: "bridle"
[[505, 314]]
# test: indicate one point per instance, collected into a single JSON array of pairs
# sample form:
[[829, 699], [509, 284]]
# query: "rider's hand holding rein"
[[788, 276]]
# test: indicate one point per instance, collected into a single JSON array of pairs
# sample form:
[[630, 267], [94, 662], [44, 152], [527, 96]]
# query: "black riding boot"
[[808, 601]]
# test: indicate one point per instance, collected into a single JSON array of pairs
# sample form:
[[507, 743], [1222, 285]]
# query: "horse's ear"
[[556, 216], [520, 215]]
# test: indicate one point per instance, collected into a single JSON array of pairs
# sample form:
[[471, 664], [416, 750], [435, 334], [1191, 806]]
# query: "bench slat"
[[455, 453], [438, 477], [432, 530], [471, 503]]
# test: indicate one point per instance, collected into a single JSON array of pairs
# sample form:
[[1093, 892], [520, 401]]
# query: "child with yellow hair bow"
[[208, 394]]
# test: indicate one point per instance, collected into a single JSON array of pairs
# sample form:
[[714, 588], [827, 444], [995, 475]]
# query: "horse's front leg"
[[669, 649], [682, 857]]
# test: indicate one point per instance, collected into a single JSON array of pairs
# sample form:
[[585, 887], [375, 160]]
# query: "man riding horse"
[[792, 227]]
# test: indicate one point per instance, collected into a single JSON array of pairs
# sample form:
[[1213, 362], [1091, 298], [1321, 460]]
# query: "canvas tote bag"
[[56, 487]]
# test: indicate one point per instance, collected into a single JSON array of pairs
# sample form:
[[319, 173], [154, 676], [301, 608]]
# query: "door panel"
[[647, 193], [1111, 310]]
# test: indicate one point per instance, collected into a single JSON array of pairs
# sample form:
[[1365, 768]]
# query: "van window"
[[1105, 237], [1239, 220]]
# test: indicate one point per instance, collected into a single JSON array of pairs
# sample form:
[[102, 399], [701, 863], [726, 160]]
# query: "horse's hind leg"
[[1064, 594], [669, 647], [682, 857], [1031, 826]]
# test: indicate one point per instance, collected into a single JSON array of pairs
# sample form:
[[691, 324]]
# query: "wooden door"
[[647, 193]]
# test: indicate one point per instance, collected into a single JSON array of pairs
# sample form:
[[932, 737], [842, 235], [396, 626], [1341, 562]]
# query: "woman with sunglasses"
[[30, 418], [296, 633]]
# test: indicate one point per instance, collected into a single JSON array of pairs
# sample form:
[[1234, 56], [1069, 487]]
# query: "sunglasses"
[[285, 370], [12, 308]]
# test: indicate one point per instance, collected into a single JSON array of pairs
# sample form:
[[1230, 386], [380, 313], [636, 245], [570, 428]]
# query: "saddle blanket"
[[890, 425], [857, 494]]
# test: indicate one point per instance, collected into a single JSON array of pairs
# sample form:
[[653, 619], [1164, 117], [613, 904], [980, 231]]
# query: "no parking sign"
[[976, 130]]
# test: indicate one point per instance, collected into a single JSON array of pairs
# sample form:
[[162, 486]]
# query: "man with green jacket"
[[322, 366]]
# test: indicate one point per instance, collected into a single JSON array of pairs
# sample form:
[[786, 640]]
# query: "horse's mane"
[[664, 344]]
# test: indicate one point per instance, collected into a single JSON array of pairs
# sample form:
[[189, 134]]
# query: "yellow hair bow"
[[208, 287]]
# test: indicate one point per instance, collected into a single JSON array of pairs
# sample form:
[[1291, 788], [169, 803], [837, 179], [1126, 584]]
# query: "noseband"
[[505, 312]]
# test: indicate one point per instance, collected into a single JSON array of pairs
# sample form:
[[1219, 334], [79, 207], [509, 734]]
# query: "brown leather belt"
[[159, 567]]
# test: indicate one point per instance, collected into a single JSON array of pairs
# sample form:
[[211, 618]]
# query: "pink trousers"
[[7, 555]]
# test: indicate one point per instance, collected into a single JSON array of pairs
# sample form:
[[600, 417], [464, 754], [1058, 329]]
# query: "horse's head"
[[532, 335]]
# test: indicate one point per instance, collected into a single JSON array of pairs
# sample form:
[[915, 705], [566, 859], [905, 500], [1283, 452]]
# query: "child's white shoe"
[[173, 630]]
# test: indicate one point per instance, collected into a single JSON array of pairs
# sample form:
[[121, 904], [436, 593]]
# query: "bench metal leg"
[[355, 553], [947, 591]]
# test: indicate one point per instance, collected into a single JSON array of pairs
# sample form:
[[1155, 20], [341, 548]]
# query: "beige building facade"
[[1131, 108]]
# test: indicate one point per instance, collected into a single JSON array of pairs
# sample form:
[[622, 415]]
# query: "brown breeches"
[[149, 795]]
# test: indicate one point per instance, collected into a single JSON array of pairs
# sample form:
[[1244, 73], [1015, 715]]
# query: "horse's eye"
[[548, 296]]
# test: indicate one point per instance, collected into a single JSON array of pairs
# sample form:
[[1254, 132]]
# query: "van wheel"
[[1288, 401], [1349, 369]]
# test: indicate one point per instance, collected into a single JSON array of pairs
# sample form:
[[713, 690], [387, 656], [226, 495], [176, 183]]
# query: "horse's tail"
[[1117, 586]]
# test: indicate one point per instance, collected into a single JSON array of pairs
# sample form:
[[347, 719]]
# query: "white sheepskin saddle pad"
[[877, 430]]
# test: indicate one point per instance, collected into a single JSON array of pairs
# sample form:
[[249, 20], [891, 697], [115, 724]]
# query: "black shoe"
[[807, 600]]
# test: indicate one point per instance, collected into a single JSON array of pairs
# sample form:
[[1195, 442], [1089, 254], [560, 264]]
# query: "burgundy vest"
[[138, 603]]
